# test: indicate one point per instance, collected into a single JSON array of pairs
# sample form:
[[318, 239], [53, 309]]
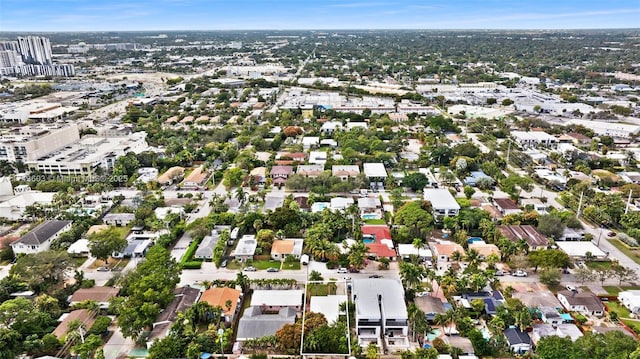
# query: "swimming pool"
[[434, 334], [370, 216], [474, 239], [368, 240]]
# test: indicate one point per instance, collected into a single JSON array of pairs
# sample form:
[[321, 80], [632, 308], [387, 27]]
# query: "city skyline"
[[166, 15]]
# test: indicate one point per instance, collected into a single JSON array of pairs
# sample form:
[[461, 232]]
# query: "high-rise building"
[[35, 50], [10, 58]]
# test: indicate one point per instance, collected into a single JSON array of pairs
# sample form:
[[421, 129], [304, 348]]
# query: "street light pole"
[[599, 236], [220, 333]]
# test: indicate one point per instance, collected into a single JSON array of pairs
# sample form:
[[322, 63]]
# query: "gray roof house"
[[39, 239], [205, 248], [519, 341], [118, 219], [184, 297], [254, 324]]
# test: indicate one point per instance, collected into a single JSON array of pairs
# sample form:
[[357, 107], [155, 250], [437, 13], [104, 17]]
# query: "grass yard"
[[375, 221], [233, 264], [633, 324], [618, 308], [598, 265], [322, 289], [614, 289], [291, 265], [266, 264], [634, 254], [78, 261]]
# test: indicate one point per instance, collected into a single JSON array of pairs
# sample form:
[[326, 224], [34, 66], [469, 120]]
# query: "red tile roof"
[[380, 250], [379, 231]]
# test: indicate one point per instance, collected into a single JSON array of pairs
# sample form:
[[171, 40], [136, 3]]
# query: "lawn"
[[633, 324], [375, 221], [322, 289], [266, 264], [291, 265], [598, 265], [113, 263], [614, 289], [618, 308], [233, 264], [631, 253]]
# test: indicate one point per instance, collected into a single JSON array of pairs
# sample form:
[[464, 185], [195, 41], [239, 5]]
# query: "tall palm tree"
[[358, 254], [411, 275]]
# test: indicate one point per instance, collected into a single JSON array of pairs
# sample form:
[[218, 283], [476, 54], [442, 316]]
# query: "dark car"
[[611, 234], [354, 270], [375, 276], [272, 269]]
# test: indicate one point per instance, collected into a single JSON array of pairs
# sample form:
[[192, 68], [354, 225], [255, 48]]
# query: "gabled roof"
[[380, 250], [529, 233], [281, 170], [586, 299], [83, 315], [42, 233], [184, 298], [506, 204], [379, 231], [516, 336], [96, 294], [254, 324]]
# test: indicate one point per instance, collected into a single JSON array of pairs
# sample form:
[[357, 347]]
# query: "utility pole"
[[508, 151], [626, 210], [580, 205]]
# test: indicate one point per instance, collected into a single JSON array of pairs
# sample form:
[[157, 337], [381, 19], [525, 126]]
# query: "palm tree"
[[411, 275], [473, 258], [417, 318], [358, 254], [445, 320]]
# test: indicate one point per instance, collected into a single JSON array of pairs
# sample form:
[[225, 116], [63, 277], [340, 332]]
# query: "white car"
[[422, 294], [572, 289], [342, 270], [519, 273]]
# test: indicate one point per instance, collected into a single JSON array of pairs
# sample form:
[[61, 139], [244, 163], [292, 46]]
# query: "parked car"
[[611, 234], [572, 288], [342, 270], [103, 269], [422, 294], [354, 270], [519, 273], [223, 264], [272, 269], [375, 276], [250, 269], [499, 273]]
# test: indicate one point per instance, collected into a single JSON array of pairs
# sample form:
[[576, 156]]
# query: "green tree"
[[233, 177], [103, 243], [10, 342], [42, 270], [551, 226], [411, 275], [416, 218], [469, 191], [555, 347], [416, 181], [550, 277]]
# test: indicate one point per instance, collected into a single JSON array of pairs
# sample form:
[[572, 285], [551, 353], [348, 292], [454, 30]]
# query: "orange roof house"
[[218, 297]]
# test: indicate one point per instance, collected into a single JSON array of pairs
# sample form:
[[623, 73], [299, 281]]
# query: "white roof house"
[[533, 138], [277, 298], [579, 249], [328, 305], [339, 203], [612, 129], [380, 301], [318, 158], [442, 201], [631, 300], [406, 250], [246, 247], [374, 170], [309, 142]]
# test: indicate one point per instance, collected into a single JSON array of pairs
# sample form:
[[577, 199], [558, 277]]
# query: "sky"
[[164, 15]]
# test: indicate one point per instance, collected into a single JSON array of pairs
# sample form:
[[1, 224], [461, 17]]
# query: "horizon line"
[[328, 29]]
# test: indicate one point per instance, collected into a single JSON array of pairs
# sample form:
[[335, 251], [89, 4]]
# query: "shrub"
[[100, 326]]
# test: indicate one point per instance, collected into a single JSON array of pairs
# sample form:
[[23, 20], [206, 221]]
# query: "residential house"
[[550, 315], [39, 239], [310, 142], [118, 219], [519, 342], [565, 330], [533, 139], [256, 323], [184, 297], [281, 249], [443, 251], [276, 299], [79, 248], [535, 240], [535, 204], [382, 250], [318, 158], [196, 179], [246, 248], [491, 298], [581, 249], [171, 176], [138, 242], [330, 127], [579, 139], [476, 176], [345, 172], [329, 305], [84, 316], [431, 306], [287, 158], [206, 246], [257, 177], [506, 206], [370, 208], [631, 300], [162, 212], [98, 294], [311, 171], [381, 312], [484, 249], [406, 250], [571, 234], [376, 173], [224, 297], [280, 174], [340, 203], [583, 302], [442, 202]]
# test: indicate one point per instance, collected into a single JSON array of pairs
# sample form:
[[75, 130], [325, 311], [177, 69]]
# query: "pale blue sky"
[[101, 15]]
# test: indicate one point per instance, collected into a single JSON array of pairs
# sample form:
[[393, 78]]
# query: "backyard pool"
[[474, 239], [368, 240], [367, 216], [435, 333]]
